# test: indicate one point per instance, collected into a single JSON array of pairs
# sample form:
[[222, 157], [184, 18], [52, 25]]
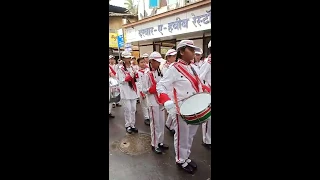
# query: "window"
[[172, 2], [154, 3]]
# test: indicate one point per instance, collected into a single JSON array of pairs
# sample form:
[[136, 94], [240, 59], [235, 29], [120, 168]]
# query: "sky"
[[119, 2]]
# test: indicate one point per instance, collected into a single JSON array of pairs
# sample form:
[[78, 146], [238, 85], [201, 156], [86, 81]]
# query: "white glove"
[[132, 74], [170, 107], [144, 91]]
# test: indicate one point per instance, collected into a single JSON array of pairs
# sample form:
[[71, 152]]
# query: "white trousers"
[[170, 122], [156, 125], [129, 112], [183, 139], [110, 107], [143, 103], [206, 132]]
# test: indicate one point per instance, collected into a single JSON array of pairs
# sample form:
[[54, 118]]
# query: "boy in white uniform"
[[157, 116], [128, 92], [197, 58], [171, 57], [112, 73], [141, 78], [113, 68]]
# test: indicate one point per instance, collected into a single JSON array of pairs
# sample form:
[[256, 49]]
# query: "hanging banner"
[[113, 40]]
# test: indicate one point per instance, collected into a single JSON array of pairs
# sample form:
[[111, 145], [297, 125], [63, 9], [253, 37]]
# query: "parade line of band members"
[[148, 81]]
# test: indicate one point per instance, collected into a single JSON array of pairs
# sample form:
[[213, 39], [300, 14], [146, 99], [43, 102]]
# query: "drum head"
[[195, 104]]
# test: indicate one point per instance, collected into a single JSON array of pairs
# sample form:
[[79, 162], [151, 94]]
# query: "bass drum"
[[114, 91], [196, 109]]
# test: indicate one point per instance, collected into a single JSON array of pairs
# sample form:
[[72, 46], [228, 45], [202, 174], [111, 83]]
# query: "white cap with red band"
[[145, 55], [126, 54], [171, 52], [199, 52], [188, 43], [156, 56]]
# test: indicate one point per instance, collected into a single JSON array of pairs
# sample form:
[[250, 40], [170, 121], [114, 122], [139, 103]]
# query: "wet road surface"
[[147, 165]]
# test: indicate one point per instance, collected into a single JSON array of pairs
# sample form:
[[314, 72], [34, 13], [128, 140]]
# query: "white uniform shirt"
[[196, 68], [205, 72], [140, 80], [199, 64], [165, 67], [135, 67], [147, 84], [126, 92], [174, 79]]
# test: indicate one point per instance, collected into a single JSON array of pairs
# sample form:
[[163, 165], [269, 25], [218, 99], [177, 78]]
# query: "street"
[[131, 158]]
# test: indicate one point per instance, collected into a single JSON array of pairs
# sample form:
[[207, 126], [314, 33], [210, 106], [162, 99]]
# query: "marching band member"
[[134, 64], [128, 92], [112, 73], [171, 58], [146, 58], [155, 107], [135, 69], [113, 67], [185, 82], [205, 74], [197, 58], [140, 76]]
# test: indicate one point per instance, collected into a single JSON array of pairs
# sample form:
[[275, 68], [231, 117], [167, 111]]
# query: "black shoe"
[[188, 168], [129, 130], [192, 163], [118, 105], [147, 122], [163, 146], [134, 130], [113, 105], [172, 132], [156, 150], [207, 145], [138, 102], [111, 116]]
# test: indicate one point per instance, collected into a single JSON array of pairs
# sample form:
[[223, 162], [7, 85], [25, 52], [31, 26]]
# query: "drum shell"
[[115, 99], [114, 90], [194, 120]]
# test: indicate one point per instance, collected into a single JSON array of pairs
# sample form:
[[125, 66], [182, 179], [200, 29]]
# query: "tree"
[[133, 9]]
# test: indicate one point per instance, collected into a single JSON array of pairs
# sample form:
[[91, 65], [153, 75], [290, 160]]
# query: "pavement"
[[151, 166]]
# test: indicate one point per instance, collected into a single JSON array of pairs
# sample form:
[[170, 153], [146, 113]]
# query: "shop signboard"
[[120, 38], [113, 40], [188, 22]]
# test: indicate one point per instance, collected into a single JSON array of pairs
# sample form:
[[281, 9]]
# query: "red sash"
[[132, 81], [194, 80], [112, 70], [153, 82]]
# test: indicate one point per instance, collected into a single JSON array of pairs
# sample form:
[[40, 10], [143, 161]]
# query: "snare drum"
[[114, 90], [196, 109]]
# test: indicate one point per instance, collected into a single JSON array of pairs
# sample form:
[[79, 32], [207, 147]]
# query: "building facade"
[[164, 30], [118, 17]]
